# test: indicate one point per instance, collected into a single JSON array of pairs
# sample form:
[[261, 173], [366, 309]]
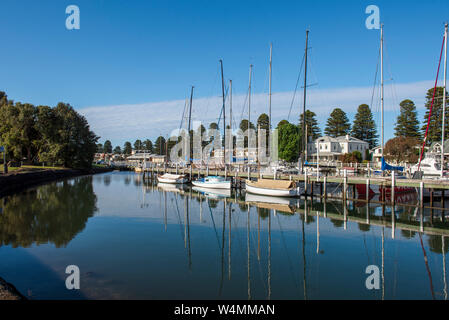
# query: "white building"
[[330, 149]]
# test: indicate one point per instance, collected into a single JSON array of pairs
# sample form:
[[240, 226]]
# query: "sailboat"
[[430, 166], [216, 182], [378, 189]]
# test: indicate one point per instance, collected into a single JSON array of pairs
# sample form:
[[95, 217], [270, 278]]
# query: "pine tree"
[[313, 130], [337, 124], [364, 127], [435, 125], [407, 124]]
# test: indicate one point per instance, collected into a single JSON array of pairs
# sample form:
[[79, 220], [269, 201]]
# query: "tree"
[[436, 119], [213, 125], [337, 124], [407, 124], [313, 130], [288, 142], [402, 149], [127, 148], [99, 148], [263, 123], [148, 145], [364, 127], [159, 146], [244, 125], [352, 157], [117, 150], [138, 145], [107, 146]]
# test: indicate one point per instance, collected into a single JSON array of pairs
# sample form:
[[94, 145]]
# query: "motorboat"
[[429, 166], [276, 188], [173, 178], [213, 182]]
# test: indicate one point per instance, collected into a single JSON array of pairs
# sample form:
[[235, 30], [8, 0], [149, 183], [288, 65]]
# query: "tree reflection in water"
[[53, 213]]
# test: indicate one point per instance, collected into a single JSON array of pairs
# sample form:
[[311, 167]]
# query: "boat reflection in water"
[[144, 240], [213, 193]]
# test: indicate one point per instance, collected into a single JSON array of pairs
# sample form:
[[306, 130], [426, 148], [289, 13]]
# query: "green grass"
[[31, 168]]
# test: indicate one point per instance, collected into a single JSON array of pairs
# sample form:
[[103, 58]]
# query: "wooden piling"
[[421, 194], [325, 187], [367, 190], [393, 184]]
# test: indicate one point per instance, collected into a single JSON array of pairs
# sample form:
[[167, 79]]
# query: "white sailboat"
[[276, 188], [172, 178], [213, 182]]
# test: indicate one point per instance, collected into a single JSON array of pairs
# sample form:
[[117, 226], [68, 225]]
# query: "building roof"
[[339, 139]]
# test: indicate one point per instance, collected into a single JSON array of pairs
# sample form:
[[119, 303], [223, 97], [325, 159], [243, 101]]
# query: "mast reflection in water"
[[133, 239]]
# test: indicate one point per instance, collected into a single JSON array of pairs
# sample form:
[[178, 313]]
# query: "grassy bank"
[[28, 176]]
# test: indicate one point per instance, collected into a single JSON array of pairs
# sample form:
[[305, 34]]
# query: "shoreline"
[[9, 292], [18, 181]]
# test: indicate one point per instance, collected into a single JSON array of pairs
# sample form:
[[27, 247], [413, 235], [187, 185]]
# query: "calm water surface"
[[136, 240]]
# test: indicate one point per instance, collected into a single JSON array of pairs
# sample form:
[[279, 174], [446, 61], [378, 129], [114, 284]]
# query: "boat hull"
[[180, 180], [213, 185], [294, 192]]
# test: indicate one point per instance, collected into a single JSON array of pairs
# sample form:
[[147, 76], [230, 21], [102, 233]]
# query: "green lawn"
[[30, 168]]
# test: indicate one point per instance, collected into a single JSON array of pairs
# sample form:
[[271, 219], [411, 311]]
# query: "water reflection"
[[53, 213], [187, 242]]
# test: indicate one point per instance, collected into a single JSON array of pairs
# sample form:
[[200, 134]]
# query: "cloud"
[[120, 123]]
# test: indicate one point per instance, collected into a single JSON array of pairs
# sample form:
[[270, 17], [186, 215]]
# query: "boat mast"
[[230, 122], [249, 95], [382, 85], [269, 94], [444, 98], [224, 113], [190, 122], [304, 105]]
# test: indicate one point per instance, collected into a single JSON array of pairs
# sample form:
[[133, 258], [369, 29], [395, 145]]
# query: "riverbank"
[[17, 181], [9, 292]]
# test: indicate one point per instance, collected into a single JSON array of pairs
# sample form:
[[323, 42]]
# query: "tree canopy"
[[288, 142], [58, 135], [313, 130], [364, 127], [337, 124], [436, 119], [407, 124]]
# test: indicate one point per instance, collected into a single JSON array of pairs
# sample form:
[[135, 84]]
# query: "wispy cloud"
[[119, 123]]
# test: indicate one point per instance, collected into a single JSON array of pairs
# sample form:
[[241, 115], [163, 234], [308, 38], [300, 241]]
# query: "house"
[[330, 149], [376, 154]]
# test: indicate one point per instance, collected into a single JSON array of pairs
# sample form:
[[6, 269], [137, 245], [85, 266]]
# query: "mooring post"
[[367, 190], [325, 187], [249, 173], [226, 171], [305, 182], [207, 170], [345, 182], [421, 194], [393, 185], [191, 172], [367, 169]]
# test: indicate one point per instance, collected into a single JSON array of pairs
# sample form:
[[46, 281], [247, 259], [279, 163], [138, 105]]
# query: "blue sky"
[[130, 66]]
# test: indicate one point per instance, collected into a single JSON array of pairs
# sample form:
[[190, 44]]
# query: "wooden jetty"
[[314, 182]]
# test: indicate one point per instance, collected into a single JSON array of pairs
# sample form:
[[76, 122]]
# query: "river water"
[[133, 239]]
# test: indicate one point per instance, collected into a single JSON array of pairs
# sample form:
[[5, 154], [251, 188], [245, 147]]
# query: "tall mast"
[[230, 104], [269, 94], [224, 112], [382, 84], [304, 147], [190, 121], [230, 122], [444, 98], [249, 95]]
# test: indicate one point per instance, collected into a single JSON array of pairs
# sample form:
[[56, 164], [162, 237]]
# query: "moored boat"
[[172, 178], [276, 188], [213, 182]]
